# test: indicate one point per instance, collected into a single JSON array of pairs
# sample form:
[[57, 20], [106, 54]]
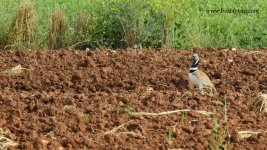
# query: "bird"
[[199, 78]]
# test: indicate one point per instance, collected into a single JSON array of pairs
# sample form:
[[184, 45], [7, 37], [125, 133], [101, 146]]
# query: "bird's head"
[[195, 60]]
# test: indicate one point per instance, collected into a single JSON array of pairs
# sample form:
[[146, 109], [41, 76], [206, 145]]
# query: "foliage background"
[[180, 24]]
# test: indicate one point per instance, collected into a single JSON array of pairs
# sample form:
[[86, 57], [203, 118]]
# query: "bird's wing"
[[204, 79]]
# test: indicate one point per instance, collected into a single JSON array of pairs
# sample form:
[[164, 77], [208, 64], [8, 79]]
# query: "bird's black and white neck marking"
[[192, 70], [195, 62]]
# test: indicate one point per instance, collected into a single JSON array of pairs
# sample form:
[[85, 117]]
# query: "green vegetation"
[[126, 23], [182, 115], [129, 110], [87, 116], [170, 138], [219, 139]]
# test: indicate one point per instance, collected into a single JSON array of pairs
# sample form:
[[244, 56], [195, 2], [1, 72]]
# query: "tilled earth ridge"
[[69, 99]]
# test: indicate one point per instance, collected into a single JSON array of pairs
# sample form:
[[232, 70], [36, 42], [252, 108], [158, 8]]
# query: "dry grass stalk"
[[263, 99], [5, 142], [133, 134], [217, 103], [114, 130], [129, 36], [58, 28], [206, 113], [158, 114], [171, 112], [185, 96], [247, 134], [24, 25], [13, 71]]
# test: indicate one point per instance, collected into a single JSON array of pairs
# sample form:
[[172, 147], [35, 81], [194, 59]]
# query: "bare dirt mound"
[[70, 99]]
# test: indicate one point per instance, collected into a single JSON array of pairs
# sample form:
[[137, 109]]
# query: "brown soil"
[[69, 99]]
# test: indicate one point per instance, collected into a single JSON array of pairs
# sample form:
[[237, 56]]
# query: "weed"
[[219, 140], [23, 27], [182, 115], [87, 116], [170, 137], [82, 30], [129, 110], [58, 28], [215, 142]]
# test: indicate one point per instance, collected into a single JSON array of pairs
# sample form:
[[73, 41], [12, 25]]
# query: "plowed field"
[[69, 99]]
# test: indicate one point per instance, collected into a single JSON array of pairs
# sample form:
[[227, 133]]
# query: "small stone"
[[121, 103]]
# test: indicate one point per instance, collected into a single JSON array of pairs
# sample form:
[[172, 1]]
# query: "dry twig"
[[132, 133], [205, 112], [158, 114], [114, 130]]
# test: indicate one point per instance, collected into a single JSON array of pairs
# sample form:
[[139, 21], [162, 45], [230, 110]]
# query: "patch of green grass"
[[152, 23], [129, 110], [170, 137]]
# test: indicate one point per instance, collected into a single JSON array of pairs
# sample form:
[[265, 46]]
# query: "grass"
[[219, 138], [215, 141], [58, 29], [170, 138], [23, 28], [129, 110], [182, 115], [126, 23]]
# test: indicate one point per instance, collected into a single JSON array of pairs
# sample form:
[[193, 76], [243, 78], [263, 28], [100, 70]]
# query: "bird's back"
[[203, 78]]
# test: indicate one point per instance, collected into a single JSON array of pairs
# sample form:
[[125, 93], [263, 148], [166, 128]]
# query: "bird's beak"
[[195, 59]]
